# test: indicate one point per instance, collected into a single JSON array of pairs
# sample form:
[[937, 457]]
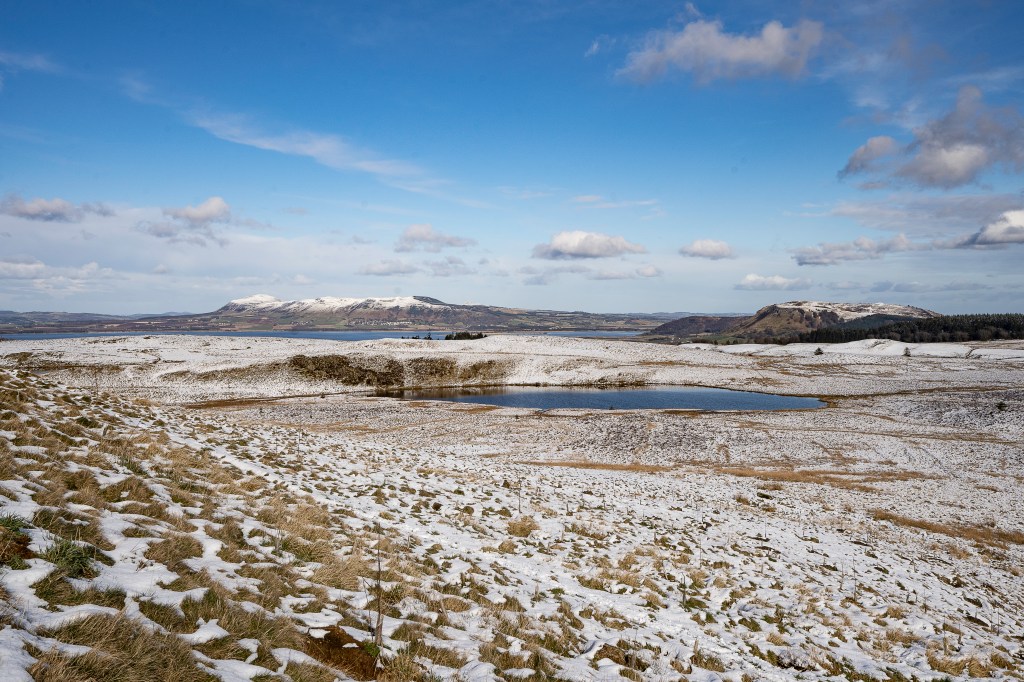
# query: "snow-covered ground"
[[881, 537]]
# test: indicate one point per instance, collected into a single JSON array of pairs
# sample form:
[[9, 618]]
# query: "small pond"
[[641, 398]]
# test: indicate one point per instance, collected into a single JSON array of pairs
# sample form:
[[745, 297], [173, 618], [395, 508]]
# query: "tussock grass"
[[342, 574], [56, 590], [272, 631], [523, 526], [122, 651], [72, 559], [173, 549], [837, 478], [600, 466], [981, 534]]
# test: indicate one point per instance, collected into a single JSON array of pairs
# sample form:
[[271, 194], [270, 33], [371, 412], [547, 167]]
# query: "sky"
[[573, 155]]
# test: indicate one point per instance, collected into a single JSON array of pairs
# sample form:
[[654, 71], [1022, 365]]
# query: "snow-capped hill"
[[255, 302], [791, 318], [852, 311], [796, 317], [264, 303], [403, 312]]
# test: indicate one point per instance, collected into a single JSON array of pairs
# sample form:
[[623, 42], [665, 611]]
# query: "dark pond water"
[[643, 398]]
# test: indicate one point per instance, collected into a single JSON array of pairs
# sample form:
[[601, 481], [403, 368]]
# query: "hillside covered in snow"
[[166, 514]]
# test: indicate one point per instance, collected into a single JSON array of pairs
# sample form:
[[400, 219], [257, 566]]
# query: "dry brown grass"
[[122, 651], [971, 665], [523, 526], [837, 478], [174, 549], [981, 534], [602, 466], [341, 573], [271, 631]]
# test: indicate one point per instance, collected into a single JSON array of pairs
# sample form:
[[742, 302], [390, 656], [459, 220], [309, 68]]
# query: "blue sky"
[[603, 156]]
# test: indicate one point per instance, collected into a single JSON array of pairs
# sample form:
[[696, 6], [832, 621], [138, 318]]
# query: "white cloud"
[[600, 43], [389, 268], [35, 275], [425, 237], [191, 224], [326, 149], [865, 155], [450, 266], [951, 151], [13, 62], [934, 216], [754, 282], [212, 210], [1008, 229], [704, 49], [711, 249], [15, 268], [26, 62], [580, 244], [545, 276], [598, 201], [861, 248], [919, 288], [54, 210], [611, 275], [648, 271], [525, 193]]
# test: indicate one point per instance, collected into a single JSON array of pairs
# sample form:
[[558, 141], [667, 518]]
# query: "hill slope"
[[263, 312], [781, 320]]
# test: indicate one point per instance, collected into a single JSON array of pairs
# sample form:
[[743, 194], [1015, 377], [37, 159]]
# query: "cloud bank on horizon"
[[628, 158]]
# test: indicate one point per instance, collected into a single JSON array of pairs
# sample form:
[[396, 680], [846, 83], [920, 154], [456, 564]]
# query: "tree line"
[[946, 328]]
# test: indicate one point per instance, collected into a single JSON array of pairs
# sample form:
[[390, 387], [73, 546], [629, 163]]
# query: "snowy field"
[[221, 480]]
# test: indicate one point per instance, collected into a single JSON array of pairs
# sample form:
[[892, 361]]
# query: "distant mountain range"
[[412, 313], [787, 320], [422, 313]]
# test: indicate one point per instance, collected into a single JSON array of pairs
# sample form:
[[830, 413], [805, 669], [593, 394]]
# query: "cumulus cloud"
[[212, 210], [190, 224], [919, 288], [21, 268], [35, 275], [450, 266], [1007, 229], [648, 271], [869, 152], [545, 276], [934, 216], [755, 282], [578, 244], [711, 249], [54, 210], [389, 268], [951, 151], [704, 49], [425, 237], [861, 248]]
